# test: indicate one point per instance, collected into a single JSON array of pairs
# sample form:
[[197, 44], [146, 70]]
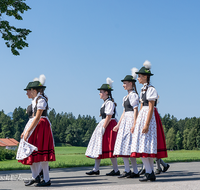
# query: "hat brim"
[[38, 87], [129, 80], [150, 74], [105, 89]]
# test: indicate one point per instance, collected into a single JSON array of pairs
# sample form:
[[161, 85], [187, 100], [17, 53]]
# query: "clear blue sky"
[[78, 44]]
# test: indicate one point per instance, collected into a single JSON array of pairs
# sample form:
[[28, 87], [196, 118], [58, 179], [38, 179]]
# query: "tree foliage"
[[13, 127], [66, 128], [181, 134], [15, 37], [178, 140], [170, 139]]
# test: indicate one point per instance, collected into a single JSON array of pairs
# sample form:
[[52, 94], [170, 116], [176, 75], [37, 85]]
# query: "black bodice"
[[127, 105], [145, 102], [102, 111], [29, 111], [44, 113]]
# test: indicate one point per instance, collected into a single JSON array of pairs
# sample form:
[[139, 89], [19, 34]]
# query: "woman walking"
[[148, 137], [37, 146], [127, 121], [102, 142]]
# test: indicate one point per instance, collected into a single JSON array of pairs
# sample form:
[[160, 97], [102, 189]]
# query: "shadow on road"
[[79, 182]]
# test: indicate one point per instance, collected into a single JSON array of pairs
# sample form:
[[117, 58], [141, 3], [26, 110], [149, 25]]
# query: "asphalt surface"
[[180, 176]]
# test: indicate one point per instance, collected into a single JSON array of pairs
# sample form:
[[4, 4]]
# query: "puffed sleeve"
[[134, 100], [42, 104], [152, 94], [109, 108]]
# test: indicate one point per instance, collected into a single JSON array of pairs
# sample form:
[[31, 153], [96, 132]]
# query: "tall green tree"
[[170, 139], [198, 142], [191, 140], [52, 115], [178, 140], [15, 37], [7, 129], [20, 118], [167, 122], [185, 137], [91, 124], [73, 134]]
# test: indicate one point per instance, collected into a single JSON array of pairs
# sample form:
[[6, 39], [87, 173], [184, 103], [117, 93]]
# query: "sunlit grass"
[[75, 157]]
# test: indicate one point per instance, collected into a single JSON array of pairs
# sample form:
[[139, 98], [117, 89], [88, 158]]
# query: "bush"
[[2, 154], [6, 154]]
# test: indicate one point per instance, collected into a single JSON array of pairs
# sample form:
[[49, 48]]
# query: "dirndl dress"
[[124, 135], [39, 146], [152, 143], [102, 141]]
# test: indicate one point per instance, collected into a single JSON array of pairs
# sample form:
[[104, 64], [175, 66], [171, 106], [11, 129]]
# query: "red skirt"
[[108, 143], [42, 138], [161, 144]]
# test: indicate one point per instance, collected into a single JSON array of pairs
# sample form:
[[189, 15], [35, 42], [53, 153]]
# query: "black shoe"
[[92, 172], [113, 173], [142, 171], [158, 171], [166, 168], [148, 176], [43, 183], [134, 175], [152, 176], [125, 174], [32, 181]]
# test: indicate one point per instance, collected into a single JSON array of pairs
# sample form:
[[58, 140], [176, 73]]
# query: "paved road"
[[180, 176]]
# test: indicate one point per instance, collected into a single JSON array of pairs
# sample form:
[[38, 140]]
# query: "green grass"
[[183, 156], [75, 157]]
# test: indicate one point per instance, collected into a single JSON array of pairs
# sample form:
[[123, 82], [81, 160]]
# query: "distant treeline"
[[66, 127], [180, 134]]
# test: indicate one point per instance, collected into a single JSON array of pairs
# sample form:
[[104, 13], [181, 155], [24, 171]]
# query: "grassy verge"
[[75, 157]]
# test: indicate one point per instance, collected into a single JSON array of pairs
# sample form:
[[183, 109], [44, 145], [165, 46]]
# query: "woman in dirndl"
[[102, 142], [29, 113], [37, 145], [148, 140], [126, 122]]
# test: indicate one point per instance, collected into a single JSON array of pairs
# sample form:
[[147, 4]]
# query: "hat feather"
[[147, 64], [109, 81], [42, 79], [35, 79], [133, 71]]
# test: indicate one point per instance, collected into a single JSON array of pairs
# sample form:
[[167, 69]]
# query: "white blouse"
[[109, 107], [41, 104], [151, 94], [133, 99]]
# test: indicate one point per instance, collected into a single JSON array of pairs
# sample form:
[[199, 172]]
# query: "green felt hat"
[[37, 84], [28, 86], [144, 71], [128, 78], [105, 87]]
